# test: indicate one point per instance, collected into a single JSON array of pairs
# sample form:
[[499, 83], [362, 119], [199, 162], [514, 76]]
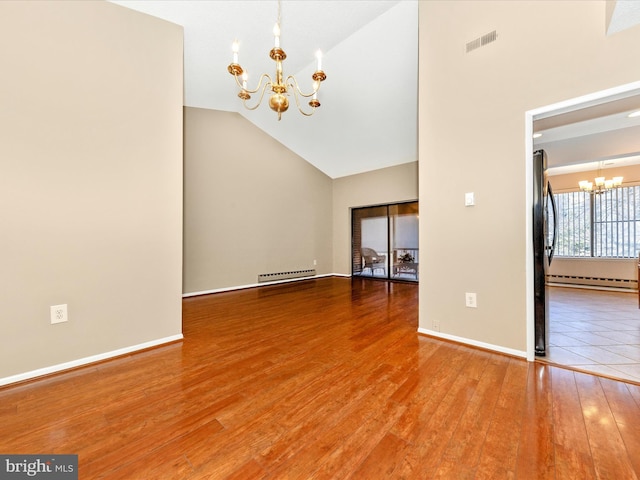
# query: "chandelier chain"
[[279, 12]]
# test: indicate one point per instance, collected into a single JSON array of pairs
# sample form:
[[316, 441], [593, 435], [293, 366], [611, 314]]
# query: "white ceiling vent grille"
[[482, 41]]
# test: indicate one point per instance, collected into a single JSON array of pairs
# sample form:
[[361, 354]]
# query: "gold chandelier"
[[601, 184], [280, 88]]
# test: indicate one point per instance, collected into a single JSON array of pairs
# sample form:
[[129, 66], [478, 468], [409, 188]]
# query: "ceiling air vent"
[[482, 41]]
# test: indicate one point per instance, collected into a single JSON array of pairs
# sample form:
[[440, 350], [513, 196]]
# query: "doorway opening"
[[384, 242], [592, 316]]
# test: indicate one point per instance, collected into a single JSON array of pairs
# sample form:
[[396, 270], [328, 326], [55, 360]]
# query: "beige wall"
[[472, 128], [251, 205], [91, 182], [387, 185]]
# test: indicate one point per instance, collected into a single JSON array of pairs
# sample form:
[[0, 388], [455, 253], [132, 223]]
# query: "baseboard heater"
[[594, 281], [272, 277]]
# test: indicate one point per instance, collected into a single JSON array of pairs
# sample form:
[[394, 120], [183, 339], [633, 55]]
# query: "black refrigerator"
[[544, 241]]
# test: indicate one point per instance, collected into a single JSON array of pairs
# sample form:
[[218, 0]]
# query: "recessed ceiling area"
[[597, 135], [593, 166]]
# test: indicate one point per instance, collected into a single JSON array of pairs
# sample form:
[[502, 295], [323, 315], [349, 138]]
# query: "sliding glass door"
[[370, 241], [385, 241], [404, 240]]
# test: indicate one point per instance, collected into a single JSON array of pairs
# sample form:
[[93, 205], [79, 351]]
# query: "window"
[[599, 225], [574, 224]]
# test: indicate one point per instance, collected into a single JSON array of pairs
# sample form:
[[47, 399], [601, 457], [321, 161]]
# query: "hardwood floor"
[[324, 379]]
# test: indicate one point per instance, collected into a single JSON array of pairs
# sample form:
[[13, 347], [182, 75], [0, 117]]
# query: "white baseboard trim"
[[261, 284], [475, 343], [87, 360]]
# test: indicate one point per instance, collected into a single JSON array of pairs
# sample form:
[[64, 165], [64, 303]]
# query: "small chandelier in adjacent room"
[[280, 87], [601, 184]]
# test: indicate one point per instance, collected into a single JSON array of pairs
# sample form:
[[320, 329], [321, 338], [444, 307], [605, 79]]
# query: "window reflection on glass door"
[[403, 224], [385, 241]]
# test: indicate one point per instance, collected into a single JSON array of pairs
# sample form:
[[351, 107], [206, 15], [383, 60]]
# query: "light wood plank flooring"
[[596, 331], [324, 379]]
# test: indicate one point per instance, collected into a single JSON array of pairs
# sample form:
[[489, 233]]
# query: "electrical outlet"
[[59, 314], [315, 262], [471, 300]]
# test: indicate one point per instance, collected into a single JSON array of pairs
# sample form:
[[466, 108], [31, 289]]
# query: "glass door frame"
[[398, 267]]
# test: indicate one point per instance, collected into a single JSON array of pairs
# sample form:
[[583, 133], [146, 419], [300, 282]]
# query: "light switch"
[[469, 199]]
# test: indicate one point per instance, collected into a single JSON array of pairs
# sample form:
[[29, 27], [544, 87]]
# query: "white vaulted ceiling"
[[625, 14], [368, 117]]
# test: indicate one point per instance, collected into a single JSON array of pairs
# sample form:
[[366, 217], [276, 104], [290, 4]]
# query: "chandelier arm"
[[293, 83], [295, 95], [262, 78], [264, 89]]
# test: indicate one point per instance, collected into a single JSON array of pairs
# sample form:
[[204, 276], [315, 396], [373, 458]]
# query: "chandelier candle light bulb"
[[585, 185], [235, 48], [276, 34]]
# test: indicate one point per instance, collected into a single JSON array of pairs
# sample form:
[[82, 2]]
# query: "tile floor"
[[595, 331]]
